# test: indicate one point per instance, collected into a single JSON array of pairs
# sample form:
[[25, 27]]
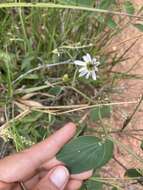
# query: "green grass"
[[31, 40]]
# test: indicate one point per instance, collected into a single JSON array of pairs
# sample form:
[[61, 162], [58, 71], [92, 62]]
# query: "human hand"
[[37, 167]]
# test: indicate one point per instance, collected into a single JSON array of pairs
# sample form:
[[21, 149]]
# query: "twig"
[[97, 105], [127, 121], [136, 63], [124, 41], [50, 107], [120, 163]]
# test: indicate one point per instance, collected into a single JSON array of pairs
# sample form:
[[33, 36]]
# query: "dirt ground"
[[129, 90]]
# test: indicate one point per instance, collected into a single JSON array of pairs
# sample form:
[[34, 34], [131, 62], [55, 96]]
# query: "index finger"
[[17, 167]]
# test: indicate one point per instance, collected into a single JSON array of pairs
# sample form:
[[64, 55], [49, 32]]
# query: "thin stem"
[[97, 105], [81, 93], [112, 183], [53, 5], [39, 68], [118, 162], [127, 121], [74, 78], [23, 28]]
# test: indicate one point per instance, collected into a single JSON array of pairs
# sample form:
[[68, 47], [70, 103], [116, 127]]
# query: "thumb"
[[56, 179]]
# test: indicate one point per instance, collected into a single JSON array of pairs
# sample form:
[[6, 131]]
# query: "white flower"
[[88, 66]]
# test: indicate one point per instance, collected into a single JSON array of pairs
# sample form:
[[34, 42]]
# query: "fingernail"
[[59, 177]]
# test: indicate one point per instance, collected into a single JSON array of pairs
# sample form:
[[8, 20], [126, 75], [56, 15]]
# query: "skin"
[[35, 165]]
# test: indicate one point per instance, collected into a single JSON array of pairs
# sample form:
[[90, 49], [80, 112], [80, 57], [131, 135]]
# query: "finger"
[[56, 179], [74, 185], [29, 184], [54, 162], [6, 186], [16, 167], [50, 164]]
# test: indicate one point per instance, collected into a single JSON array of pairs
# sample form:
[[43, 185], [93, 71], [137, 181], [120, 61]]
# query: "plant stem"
[[127, 121], [53, 5], [40, 67]]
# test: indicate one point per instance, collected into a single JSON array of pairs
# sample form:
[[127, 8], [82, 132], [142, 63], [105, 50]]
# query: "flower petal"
[[83, 69], [95, 68], [87, 76], [83, 73], [87, 58], [94, 60], [93, 74], [97, 63], [81, 63]]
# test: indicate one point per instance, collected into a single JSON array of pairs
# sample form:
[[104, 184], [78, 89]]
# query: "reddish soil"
[[129, 90]]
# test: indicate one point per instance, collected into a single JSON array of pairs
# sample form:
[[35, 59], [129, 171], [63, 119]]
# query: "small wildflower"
[[88, 66]]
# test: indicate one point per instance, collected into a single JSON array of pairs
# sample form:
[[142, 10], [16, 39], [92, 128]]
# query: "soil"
[[128, 90]]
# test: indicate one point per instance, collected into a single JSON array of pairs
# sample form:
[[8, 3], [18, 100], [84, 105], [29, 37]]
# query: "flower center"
[[90, 66]]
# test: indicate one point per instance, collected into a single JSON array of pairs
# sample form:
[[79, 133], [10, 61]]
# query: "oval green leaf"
[[56, 90], [129, 7], [111, 23], [100, 112], [85, 153]]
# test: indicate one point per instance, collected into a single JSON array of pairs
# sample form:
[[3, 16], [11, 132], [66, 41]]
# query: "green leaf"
[[133, 172], [139, 26], [100, 112], [85, 153], [111, 23], [34, 116], [129, 7], [105, 4], [77, 2], [26, 62], [56, 90], [93, 185]]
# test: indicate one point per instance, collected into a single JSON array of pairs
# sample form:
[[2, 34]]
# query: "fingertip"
[[59, 176], [71, 125], [56, 179]]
